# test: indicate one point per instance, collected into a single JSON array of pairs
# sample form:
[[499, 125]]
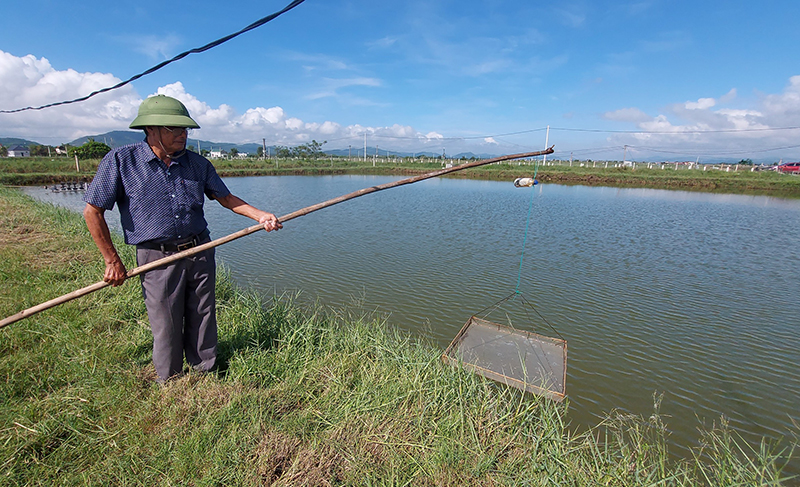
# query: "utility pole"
[[546, 141], [349, 152], [570, 159], [376, 156], [365, 147], [263, 147]]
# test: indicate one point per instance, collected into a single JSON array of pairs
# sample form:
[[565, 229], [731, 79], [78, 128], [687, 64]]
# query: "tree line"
[[89, 150]]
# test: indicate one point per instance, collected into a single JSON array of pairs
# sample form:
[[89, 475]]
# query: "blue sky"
[[671, 79]]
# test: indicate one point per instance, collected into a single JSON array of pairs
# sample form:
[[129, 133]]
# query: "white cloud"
[[32, 81], [572, 16], [784, 108], [332, 86], [701, 104], [154, 47], [728, 97], [633, 115], [28, 81], [727, 130], [383, 42], [313, 62]]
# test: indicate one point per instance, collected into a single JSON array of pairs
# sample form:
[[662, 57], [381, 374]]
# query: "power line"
[[683, 132], [210, 45], [712, 152], [565, 129]]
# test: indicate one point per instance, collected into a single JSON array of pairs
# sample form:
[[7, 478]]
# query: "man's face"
[[173, 138]]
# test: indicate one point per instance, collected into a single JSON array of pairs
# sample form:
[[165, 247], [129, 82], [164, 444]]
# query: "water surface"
[[692, 295]]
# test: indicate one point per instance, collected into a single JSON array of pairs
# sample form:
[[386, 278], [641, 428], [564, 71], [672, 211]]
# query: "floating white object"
[[525, 182]]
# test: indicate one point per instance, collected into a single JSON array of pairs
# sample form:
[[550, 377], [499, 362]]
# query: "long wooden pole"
[[247, 231]]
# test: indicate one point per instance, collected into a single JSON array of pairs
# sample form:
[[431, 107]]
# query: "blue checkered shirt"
[[156, 203]]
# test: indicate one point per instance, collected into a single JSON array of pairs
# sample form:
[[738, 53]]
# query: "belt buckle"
[[186, 245]]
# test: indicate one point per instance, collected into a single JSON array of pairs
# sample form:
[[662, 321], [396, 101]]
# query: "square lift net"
[[524, 360]]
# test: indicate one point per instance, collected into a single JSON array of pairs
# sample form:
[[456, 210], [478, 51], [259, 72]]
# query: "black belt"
[[171, 246]]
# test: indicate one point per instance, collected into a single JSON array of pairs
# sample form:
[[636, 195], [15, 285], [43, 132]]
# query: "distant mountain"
[[117, 138], [470, 155], [359, 152], [250, 148], [13, 141]]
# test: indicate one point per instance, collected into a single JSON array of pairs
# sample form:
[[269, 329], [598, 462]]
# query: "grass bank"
[[43, 171], [306, 395]]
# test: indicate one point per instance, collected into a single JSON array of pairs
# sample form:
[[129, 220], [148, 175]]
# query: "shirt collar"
[[152, 155]]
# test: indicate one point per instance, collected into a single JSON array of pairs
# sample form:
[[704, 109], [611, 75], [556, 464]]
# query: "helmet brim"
[[163, 120]]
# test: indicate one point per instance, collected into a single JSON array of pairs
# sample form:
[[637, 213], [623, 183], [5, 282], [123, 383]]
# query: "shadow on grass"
[[246, 322]]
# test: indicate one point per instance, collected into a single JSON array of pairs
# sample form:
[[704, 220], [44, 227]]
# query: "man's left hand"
[[270, 222]]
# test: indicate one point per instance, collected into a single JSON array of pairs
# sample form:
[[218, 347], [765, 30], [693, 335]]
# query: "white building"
[[19, 151]]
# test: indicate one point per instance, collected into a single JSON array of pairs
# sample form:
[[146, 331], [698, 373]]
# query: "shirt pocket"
[[193, 193]]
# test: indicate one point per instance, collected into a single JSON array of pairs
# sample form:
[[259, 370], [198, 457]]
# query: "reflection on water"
[[689, 294]]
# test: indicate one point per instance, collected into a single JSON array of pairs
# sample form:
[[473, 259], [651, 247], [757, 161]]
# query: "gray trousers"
[[181, 307]]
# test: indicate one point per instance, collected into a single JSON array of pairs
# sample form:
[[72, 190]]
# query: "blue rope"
[[527, 224]]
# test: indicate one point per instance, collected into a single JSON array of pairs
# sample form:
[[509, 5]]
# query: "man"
[[159, 187]]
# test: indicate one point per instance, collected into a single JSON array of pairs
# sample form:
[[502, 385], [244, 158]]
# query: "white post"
[[77, 165], [365, 147], [546, 141]]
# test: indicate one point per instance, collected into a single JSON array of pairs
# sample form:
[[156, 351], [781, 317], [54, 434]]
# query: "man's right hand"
[[115, 273]]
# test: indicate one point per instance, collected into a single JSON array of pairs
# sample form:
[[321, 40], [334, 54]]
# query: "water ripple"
[[685, 294]]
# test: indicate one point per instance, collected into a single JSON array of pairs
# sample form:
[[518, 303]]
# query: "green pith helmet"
[[163, 111]]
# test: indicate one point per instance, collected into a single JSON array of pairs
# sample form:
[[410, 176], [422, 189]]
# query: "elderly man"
[[159, 187]]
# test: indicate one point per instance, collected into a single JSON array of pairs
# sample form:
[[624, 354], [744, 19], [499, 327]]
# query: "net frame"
[[454, 356]]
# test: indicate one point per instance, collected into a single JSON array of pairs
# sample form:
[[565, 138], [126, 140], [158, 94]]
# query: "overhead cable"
[[565, 129], [210, 45]]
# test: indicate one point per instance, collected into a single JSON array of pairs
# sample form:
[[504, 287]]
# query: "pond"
[[692, 295]]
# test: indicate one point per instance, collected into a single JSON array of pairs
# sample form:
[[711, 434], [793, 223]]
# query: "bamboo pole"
[[247, 231]]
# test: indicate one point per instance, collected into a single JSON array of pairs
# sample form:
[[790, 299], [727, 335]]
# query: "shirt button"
[[172, 195], [176, 216]]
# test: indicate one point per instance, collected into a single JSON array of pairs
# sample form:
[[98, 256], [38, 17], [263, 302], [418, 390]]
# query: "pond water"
[[692, 295]]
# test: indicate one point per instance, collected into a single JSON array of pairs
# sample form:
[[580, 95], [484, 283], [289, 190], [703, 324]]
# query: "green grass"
[[306, 395]]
